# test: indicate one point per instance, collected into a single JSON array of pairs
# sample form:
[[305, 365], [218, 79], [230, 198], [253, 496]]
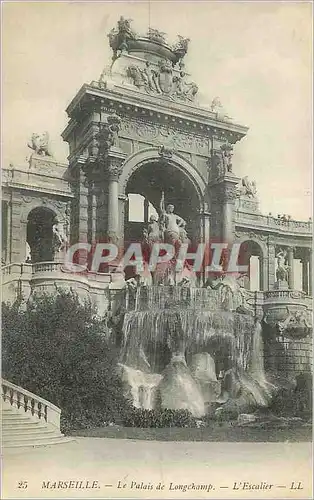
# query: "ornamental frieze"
[[167, 136]]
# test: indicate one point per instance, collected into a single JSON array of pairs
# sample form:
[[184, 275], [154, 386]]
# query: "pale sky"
[[255, 56]]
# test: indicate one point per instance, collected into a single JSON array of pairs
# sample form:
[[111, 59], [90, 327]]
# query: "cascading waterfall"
[[175, 341]]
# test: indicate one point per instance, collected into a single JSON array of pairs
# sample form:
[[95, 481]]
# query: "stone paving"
[[114, 468]]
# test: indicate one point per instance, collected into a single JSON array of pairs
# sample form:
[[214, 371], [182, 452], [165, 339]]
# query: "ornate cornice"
[[132, 104]]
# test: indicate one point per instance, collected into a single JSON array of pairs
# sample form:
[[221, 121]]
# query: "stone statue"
[[40, 144], [107, 136], [135, 74], [152, 233], [282, 268], [183, 234], [28, 256], [114, 122], [59, 238], [149, 77], [156, 35], [227, 153], [180, 48], [165, 152], [216, 106], [296, 324], [172, 224], [247, 188], [184, 89], [160, 80], [120, 36]]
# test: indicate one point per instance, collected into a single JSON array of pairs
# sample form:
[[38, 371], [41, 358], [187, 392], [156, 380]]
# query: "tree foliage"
[[59, 349]]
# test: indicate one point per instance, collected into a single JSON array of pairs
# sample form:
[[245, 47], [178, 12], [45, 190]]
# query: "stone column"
[[113, 170], [291, 267], [113, 207], [205, 238], [5, 231], [271, 261], [261, 273], [228, 199], [92, 215], [223, 196], [305, 274], [17, 231], [146, 209], [310, 274]]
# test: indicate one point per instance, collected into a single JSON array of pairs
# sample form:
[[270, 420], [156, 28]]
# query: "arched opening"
[[40, 223], [144, 190], [251, 255], [139, 208]]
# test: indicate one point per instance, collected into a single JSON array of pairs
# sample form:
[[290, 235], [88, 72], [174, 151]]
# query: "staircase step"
[[29, 434], [6, 427], [38, 442], [16, 416]]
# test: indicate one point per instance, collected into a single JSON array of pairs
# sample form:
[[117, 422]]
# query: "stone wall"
[[289, 356]]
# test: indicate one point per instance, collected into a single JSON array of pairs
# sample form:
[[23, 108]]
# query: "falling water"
[[166, 325]]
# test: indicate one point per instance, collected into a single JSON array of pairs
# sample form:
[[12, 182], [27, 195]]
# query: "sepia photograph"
[[156, 251]]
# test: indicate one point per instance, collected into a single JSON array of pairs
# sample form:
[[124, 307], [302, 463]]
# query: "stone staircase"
[[27, 420]]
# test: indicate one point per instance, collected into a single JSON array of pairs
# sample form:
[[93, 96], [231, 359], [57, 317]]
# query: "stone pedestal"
[[281, 285]]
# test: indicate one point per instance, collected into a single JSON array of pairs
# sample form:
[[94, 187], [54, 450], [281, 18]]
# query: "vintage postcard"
[[156, 250]]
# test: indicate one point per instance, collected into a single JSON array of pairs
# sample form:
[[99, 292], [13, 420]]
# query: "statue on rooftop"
[[160, 79], [180, 48], [40, 144], [120, 36], [156, 35], [182, 88], [216, 106]]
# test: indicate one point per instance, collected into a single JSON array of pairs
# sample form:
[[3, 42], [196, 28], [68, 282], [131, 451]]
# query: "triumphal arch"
[[144, 118]]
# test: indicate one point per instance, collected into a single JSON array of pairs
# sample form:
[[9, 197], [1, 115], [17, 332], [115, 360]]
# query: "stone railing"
[[284, 294], [50, 267], [15, 271], [270, 222], [33, 405]]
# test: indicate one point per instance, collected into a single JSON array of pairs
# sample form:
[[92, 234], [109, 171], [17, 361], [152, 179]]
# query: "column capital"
[[225, 191], [114, 166]]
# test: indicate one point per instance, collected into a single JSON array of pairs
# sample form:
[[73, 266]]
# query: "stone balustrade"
[[284, 294], [33, 405], [268, 222], [49, 267]]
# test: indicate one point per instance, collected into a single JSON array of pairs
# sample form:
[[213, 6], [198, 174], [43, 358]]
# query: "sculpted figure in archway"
[[59, 238], [282, 269], [172, 224], [152, 233]]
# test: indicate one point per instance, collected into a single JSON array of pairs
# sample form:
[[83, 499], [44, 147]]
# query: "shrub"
[[139, 417], [59, 349]]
